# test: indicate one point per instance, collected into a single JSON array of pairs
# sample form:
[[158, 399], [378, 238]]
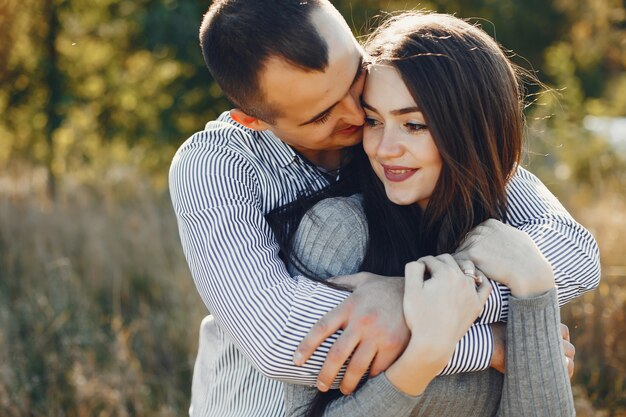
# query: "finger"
[[466, 266], [570, 367], [565, 332], [432, 264], [337, 356], [382, 361], [326, 326], [414, 276], [569, 350], [480, 277], [483, 290], [447, 259], [360, 362]]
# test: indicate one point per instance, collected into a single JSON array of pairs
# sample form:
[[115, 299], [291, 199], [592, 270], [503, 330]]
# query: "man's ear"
[[246, 120]]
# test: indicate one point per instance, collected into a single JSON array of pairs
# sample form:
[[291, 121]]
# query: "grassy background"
[[98, 314]]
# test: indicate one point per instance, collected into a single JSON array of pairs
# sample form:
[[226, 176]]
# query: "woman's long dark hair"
[[472, 102], [469, 94]]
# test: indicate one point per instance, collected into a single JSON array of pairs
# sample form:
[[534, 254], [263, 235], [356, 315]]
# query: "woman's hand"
[[509, 256], [444, 305], [438, 311]]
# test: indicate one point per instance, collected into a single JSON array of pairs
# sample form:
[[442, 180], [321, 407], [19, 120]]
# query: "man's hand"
[[374, 332], [568, 349]]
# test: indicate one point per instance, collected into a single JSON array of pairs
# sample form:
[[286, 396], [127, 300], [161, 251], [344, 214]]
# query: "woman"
[[443, 136]]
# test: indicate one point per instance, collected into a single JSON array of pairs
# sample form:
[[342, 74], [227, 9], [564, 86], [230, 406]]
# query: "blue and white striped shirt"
[[223, 181]]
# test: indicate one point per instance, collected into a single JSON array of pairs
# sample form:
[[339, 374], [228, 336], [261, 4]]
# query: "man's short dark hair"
[[238, 36]]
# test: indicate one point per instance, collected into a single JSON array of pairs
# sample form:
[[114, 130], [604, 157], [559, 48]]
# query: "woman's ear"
[[248, 121]]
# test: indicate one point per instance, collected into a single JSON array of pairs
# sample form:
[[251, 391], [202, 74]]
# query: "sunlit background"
[[98, 313]]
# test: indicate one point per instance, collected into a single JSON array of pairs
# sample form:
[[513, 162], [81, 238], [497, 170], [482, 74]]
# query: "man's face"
[[319, 112]]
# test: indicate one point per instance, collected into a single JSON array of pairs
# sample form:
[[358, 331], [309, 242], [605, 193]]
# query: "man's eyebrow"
[[359, 72], [399, 112], [367, 106]]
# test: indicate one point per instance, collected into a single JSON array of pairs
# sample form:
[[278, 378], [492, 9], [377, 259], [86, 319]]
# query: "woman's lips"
[[398, 174]]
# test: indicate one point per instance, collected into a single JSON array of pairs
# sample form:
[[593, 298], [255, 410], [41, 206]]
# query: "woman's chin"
[[400, 200]]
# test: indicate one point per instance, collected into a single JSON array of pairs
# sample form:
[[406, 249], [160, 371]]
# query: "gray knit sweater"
[[331, 241]]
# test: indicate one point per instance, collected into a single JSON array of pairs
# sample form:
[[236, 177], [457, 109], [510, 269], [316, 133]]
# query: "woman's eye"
[[371, 122], [415, 127]]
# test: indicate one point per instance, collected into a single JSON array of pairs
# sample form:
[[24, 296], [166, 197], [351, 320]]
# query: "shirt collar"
[[282, 153]]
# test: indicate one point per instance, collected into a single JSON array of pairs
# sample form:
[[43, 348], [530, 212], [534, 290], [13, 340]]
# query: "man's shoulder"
[[221, 133], [224, 138], [529, 198]]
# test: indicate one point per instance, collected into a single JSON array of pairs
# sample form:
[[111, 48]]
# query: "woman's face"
[[396, 139]]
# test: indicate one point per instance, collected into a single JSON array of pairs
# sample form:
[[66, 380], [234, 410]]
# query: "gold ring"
[[477, 279]]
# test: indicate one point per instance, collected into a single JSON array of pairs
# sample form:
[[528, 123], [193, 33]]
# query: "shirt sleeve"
[[233, 258], [376, 397], [569, 247]]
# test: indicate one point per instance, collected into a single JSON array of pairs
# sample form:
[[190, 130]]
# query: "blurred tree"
[[587, 67], [121, 81]]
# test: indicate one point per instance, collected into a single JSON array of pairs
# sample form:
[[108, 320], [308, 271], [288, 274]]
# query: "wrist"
[[419, 364], [531, 288], [498, 358], [534, 282]]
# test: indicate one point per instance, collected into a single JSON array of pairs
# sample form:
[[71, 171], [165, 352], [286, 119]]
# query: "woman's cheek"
[[369, 143]]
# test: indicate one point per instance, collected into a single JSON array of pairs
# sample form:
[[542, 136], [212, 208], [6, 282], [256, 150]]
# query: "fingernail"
[[298, 359], [321, 386]]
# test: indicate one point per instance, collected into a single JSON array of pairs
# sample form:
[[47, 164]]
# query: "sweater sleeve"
[[377, 397], [536, 379]]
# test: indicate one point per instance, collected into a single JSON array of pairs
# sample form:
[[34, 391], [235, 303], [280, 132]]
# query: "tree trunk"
[[53, 79]]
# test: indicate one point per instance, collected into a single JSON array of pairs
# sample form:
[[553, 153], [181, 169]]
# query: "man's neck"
[[329, 160]]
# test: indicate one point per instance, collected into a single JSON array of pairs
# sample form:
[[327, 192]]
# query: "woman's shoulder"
[[334, 207], [332, 237], [331, 214]]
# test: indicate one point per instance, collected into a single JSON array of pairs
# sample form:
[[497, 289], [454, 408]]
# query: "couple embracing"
[[361, 230]]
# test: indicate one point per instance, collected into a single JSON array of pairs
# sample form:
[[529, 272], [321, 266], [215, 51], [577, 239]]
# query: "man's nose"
[[353, 112]]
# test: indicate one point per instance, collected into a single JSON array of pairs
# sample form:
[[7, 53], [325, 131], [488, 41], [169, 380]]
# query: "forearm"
[[232, 256], [473, 352], [536, 379], [266, 314], [569, 248]]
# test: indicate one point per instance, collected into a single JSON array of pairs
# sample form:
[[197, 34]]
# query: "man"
[[294, 72]]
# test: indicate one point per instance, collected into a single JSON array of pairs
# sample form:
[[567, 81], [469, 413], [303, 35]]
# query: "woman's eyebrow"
[[413, 109], [405, 110]]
